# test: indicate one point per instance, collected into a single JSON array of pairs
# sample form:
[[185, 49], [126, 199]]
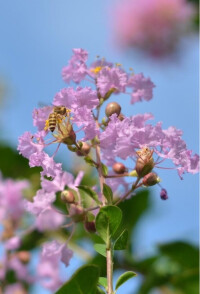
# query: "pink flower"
[[15, 288], [40, 202], [64, 98], [13, 243], [40, 116], [48, 267], [76, 69], [124, 138], [85, 97], [50, 167], [111, 78], [49, 220], [143, 88], [21, 270], [83, 118], [11, 195], [153, 25], [26, 145], [58, 183]]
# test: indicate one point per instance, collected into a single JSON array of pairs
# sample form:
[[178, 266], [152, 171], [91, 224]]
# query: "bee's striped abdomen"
[[52, 121]]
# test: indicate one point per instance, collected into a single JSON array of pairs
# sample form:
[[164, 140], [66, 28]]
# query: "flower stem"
[[135, 186], [109, 263]]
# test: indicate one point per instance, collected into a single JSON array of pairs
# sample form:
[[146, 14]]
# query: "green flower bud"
[[85, 149], [67, 196]]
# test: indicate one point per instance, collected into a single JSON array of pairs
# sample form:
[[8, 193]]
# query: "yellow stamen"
[[46, 125], [96, 70]]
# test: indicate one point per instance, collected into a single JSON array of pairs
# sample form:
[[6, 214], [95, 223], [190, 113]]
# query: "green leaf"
[[107, 221], [89, 192], [84, 281], [100, 248], [123, 278], [107, 192], [121, 242], [104, 169], [132, 210], [100, 291], [103, 282], [184, 253], [89, 160]]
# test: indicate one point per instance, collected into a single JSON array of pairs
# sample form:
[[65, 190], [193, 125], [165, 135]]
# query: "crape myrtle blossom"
[[47, 218], [152, 25], [75, 121], [81, 102], [11, 195], [117, 137], [16, 288], [108, 77], [48, 268], [13, 262], [124, 138]]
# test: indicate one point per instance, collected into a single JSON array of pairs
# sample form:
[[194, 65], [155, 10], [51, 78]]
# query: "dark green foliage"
[[13, 165], [84, 281], [121, 241], [108, 221], [123, 278], [31, 240], [107, 192]]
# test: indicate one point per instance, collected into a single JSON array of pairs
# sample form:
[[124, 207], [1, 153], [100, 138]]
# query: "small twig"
[[117, 176], [135, 186]]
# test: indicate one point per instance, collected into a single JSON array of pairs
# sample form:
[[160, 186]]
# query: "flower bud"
[[119, 168], [150, 179], [24, 256], [67, 196], [163, 194], [66, 134], [77, 213], [145, 162], [85, 149], [111, 108], [90, 226], [121, 117]]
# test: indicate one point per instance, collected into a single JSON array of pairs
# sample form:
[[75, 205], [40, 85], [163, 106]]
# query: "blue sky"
[[36, 42]]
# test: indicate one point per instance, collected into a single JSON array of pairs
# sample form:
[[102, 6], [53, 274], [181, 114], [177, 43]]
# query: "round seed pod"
[[150, 179], [24, 256], [85, 149], [67, 196], [121, 117], [119, 168], [111, 108], [77, 213]]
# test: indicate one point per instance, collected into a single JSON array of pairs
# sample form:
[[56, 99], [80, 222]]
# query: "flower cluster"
[[152, 25], [75, 121], [117, 135], [12, 213]]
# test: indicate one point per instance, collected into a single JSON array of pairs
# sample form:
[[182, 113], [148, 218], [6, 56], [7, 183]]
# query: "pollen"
[[145, 152], [46, 125], [96, 70]]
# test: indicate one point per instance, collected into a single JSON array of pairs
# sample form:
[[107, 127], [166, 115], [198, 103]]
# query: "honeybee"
[[56, 116]]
